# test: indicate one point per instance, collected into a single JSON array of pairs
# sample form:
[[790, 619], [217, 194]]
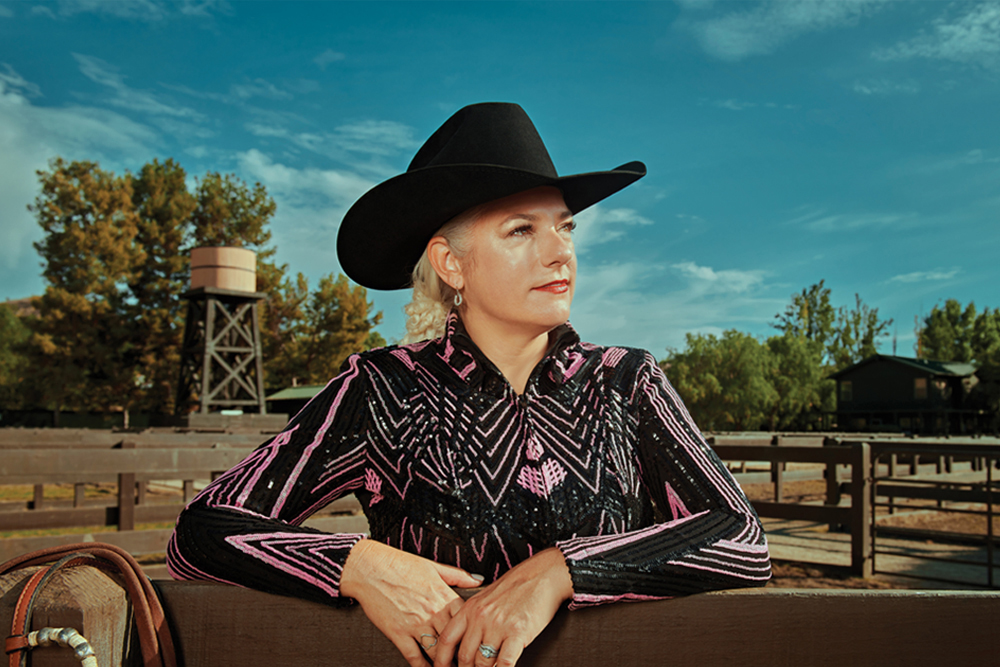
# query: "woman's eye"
[[521, 231], [569, 225]]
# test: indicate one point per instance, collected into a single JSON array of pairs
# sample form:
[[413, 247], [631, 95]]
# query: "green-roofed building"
[[889, 393], [292, 399]]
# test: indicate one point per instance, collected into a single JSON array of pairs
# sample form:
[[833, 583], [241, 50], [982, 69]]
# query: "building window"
[[920, 389], [846, 393]]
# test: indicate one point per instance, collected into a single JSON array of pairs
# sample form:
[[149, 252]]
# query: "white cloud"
[[376, 137], [327, 57], [15, 82], [363, 145], [311, 203], [972, 38], [142, 10], [924, 276], [818, 220], [319, 187], [741, 105], [204, 7], [974, 157], [768, 25], [6, 12], [598, 225], [705, 279], [885, 87], [29, 137], [638, 305], [135, 10], [259, 88], [125, 97]]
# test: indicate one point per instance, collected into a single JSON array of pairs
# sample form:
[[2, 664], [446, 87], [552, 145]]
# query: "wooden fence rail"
[[857, 517], [215, 624]]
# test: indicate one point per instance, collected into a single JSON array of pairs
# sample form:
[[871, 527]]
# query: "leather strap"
[[155, 641]]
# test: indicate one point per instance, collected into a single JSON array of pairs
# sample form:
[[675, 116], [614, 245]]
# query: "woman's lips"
[[555, 287]]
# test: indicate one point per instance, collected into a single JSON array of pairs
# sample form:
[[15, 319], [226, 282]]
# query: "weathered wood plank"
[[216, 624], [136, 542], [72, 466]]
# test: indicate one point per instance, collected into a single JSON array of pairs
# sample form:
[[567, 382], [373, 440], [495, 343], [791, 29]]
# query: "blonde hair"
[[432, 300]]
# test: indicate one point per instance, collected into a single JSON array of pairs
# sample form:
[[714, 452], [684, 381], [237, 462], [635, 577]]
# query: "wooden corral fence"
[[858, 470], [874, 473], [215, 624]]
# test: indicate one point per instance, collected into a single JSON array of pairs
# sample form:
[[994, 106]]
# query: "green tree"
[[986, 352], [725, 382], [82, 345], [810, 315], [164, 208], [13, 335], [115, 250], [856, 334], [323, 328], [800, 384], [947, 334]]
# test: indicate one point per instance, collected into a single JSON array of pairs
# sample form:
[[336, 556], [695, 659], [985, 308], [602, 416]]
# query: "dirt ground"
[[910, 515]]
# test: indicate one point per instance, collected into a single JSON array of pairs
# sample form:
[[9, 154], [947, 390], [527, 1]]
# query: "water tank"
[[224, 267]]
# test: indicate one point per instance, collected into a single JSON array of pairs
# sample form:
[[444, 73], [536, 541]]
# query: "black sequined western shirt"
[[597, 457]]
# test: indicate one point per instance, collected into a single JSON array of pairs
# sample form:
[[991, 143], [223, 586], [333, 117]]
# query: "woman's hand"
[[508, 614], [407, 597]]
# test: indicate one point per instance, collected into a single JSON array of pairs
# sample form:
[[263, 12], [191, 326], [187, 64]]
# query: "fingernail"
[[478, 577]]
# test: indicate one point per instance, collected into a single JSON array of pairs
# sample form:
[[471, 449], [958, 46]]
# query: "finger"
[[441, 619], [510, 653], [468, 652], [411, 652], [454, 576], [487, 652], [448, 640]]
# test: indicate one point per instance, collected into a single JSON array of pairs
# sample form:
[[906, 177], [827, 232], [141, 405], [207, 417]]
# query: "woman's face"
[[520, 272]]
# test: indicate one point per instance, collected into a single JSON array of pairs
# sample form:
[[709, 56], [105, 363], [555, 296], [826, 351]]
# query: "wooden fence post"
[[126, 495], [777, 474], [861, 514]]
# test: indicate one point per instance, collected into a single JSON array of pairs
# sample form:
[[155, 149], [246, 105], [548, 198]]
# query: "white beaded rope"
[[68, 638]]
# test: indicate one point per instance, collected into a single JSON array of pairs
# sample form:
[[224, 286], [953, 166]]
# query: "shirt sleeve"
[[711, 537], [244, 528]]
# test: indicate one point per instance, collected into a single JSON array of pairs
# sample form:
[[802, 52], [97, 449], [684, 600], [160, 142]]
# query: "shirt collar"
[[460, 352]]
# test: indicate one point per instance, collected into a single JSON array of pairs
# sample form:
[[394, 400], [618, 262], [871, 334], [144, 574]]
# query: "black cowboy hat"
[[483, 152]]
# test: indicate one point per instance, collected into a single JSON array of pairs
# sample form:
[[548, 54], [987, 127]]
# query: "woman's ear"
[[445, 262]]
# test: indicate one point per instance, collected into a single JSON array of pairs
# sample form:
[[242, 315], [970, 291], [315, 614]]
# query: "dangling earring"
[[457, 299]]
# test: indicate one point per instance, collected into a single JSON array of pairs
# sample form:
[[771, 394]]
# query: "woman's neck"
[[515, 353]]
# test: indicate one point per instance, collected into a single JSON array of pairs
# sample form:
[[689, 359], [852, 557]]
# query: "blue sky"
[[787, 142]]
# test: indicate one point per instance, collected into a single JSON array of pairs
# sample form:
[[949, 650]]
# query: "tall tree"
[[328, 325], [83, 332], [856, 334], [115, 250], [725, 382], [799, 379], [947, 334], [164, 207], [13, 335], [809, 315]]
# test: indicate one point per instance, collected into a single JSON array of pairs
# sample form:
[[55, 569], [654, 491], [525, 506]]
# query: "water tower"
[[221, 361]]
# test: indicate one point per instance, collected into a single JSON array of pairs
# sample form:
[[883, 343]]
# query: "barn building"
[[889, 393]]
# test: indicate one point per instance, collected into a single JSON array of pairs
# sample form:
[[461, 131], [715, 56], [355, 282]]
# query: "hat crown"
[[493, 133]]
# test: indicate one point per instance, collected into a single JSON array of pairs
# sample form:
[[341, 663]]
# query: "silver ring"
[[427, 646], [487, 651]]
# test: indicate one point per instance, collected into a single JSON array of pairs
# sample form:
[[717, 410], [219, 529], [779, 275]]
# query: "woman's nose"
[[558, 249]]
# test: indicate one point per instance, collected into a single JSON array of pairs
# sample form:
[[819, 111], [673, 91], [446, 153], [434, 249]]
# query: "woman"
[[496, 447]]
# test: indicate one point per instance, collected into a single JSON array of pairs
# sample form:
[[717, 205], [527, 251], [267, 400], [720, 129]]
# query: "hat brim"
[[384, 233]]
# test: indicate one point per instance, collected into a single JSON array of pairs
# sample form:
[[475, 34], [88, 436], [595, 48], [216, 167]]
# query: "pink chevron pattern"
[[451, 464]]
